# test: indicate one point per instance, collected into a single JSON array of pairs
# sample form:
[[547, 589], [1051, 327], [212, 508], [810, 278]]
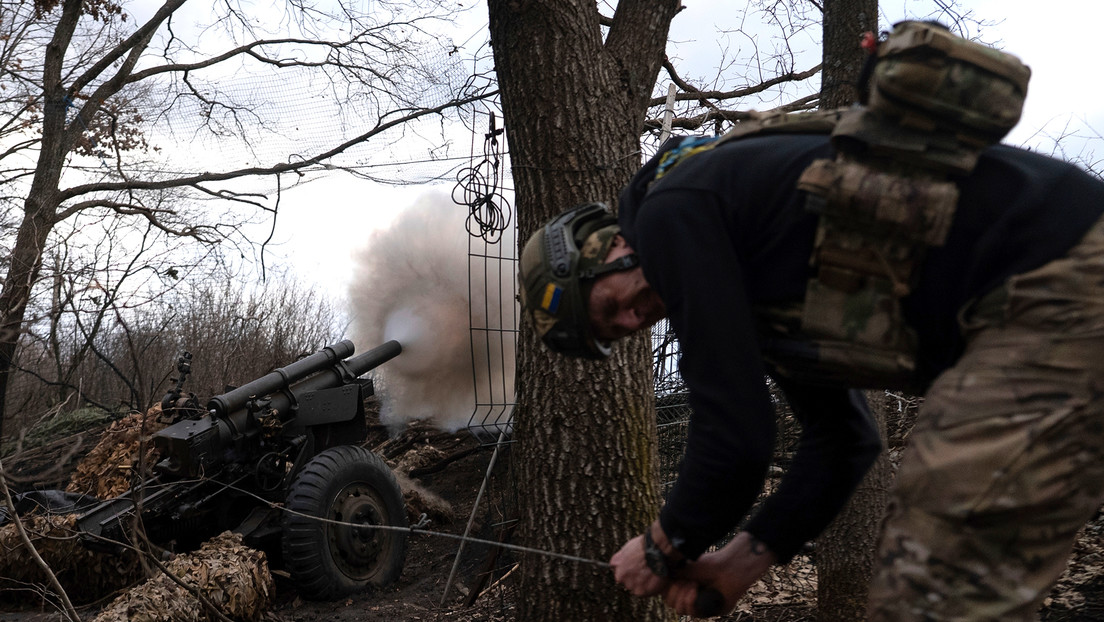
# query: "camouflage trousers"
[[1006, 461]]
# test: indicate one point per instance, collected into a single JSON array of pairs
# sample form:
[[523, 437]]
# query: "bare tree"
[[575, 112], [94, 103], [554, 164], [118, 354]]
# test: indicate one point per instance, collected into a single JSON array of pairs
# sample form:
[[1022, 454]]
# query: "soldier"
[[998, 322]]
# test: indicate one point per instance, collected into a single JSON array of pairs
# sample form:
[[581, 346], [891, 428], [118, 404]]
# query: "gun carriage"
[[276, 460]]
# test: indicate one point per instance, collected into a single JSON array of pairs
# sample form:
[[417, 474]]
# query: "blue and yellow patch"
[[550, 302], [688, 147]]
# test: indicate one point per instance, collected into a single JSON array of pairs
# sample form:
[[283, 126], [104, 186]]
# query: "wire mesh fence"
[[672, 421], [492, 286], [785, 589]]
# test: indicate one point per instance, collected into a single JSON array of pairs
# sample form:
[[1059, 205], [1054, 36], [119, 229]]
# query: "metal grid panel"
[[492, 286], [494, 321]]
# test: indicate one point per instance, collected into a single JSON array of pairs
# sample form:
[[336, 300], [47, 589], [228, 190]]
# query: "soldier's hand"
[[631, 571], [729, 571]]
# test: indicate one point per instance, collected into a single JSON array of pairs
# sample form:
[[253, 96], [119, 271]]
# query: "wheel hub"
[[357, 550]]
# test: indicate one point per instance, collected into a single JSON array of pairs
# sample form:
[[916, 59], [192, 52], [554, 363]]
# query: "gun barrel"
[[373, 358], [191, 446], [284, 402], [356, 366], [282, 378]]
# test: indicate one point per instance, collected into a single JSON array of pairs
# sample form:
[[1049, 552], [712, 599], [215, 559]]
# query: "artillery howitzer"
[[285, 438]]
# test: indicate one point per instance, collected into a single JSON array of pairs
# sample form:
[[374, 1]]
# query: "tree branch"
[[109, 88], [193, 180], [132, 46], [70, 611], [694, 93], [692, 123], [248, 50], [130, 209]]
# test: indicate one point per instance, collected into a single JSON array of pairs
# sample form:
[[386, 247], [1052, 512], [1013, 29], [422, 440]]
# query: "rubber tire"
[[351, 484]]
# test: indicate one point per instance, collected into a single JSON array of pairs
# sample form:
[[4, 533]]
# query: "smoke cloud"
[[448, 299]]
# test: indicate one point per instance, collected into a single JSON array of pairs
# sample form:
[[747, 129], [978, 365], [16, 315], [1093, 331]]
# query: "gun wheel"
[[325, 559]]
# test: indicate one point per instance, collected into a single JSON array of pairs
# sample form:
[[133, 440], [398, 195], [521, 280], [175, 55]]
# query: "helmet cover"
[[558, 267]]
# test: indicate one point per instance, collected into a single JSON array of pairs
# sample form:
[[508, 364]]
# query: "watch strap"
[[657, 560]]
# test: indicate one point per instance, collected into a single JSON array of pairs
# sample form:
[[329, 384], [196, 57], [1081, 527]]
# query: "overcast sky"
[[1059, 40]]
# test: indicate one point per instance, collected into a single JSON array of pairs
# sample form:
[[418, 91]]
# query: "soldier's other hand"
[[730, 571]]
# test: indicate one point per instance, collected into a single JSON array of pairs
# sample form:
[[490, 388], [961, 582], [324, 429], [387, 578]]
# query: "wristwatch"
[[657, 560]]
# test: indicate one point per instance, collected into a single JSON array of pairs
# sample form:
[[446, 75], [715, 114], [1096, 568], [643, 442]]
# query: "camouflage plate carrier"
[[935, 102]]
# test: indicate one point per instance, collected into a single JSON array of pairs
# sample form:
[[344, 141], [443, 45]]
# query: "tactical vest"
[[935, 102]]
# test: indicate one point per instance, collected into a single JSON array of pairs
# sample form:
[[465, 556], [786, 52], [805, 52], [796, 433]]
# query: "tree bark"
[[845, 551], [842, 59], [574, 109]]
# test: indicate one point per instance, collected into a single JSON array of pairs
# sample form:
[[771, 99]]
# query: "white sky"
[[323, 222], [1060, 41]]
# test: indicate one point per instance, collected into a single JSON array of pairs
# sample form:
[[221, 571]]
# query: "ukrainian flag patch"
[[551, 300]]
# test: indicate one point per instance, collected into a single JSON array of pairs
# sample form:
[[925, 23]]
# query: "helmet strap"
[[625, 262]]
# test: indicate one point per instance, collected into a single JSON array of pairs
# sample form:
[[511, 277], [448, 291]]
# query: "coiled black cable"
[[479, 187]]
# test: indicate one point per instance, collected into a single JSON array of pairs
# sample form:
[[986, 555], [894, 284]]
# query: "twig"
[[502, 578], [70, 611]]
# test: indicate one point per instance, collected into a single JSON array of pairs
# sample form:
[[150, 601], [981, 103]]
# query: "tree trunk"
[[845, 551], [844, 23], [26, 261], [42, 199], [585, 431]]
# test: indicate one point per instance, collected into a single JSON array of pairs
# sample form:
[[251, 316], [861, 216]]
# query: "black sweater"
[[726, 230]]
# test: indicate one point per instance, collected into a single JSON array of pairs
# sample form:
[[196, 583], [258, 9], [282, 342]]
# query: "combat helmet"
[[558, 267]]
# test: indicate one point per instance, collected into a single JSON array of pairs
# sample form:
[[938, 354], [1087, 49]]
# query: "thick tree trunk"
[[41, 205], [26, 261], [26, 255], [574, 108], [844, 23], [845, 551]]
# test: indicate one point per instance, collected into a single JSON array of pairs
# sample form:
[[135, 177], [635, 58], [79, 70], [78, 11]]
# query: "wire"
[[479, 188], [393, 528]]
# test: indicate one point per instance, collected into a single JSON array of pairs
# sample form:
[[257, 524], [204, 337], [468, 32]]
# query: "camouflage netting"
[[232, 576], [108, 469], [86, 575]]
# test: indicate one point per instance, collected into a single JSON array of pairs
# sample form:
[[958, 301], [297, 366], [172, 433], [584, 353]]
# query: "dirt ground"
[[449, 470], [419, 594]]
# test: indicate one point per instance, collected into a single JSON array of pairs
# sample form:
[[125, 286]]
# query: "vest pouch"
[[868, 314], [881, 203], [932, 80], [867, 134], [790, 353], [874, 228]]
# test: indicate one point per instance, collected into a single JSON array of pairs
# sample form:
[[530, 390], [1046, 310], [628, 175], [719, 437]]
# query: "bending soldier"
[[997, 318]]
